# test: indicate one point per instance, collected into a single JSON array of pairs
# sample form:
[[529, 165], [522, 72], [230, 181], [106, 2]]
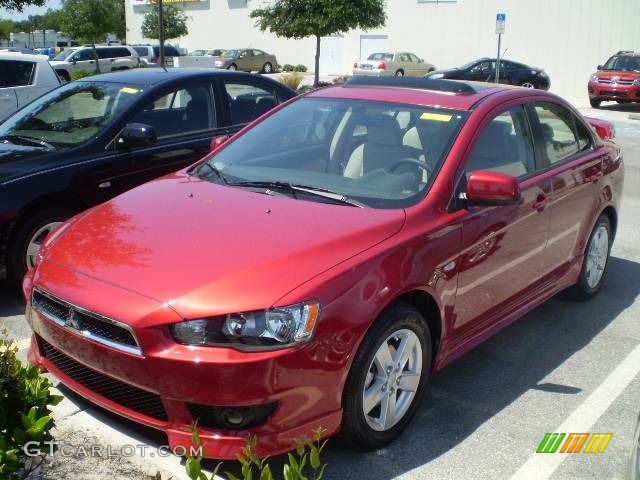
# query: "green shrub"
[[299, 68], [304, 465], [311, 88], [24, 413], [287, 67], [79, 75], [292, 80]]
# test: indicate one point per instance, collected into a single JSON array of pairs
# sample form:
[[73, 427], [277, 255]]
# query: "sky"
[[29, 11]]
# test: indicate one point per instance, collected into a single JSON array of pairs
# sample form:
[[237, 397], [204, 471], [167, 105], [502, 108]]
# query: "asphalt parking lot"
[[565, 367]]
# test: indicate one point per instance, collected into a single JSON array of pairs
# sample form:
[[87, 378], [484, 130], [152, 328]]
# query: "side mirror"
[[421, 60], [137, 135], [486, 187], [74, 61], [605, 130], [599, 67], [217, 142]]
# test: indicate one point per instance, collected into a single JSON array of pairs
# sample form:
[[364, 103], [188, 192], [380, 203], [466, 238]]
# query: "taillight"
[[382, 66], [155, 59], [355, 65]]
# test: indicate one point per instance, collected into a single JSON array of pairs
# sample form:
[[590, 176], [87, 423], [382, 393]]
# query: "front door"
[[503, 246]]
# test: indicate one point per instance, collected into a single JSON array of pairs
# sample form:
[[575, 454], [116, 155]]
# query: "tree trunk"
[[95, 56], [316, 80]]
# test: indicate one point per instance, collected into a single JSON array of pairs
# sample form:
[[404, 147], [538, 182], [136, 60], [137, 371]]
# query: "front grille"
[[613, 94], [619, 82], [231, 418], [128, 396], [91, 325]]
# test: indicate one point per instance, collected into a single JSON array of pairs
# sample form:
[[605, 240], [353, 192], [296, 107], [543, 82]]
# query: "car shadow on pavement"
[[621, 107], [467, 393]]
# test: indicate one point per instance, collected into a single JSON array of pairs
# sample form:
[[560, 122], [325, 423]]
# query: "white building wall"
[[567, 38]]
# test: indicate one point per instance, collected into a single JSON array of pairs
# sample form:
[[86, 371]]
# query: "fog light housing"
[[231, 418]]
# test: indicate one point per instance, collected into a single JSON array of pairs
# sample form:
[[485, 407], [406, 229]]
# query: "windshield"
[[198, 53], [623, 63], [380, 154], [470, 64], [70, 115], [231, 53], [63, 55]]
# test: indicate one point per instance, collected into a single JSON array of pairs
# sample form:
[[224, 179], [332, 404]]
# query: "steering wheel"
[[410, 161]]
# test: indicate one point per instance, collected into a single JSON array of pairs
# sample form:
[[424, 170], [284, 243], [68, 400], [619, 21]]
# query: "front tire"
[[387, 378], [267, 68], [28, 237], [595, 261], [595, 103], [399, 73], [528, 84], [232, 67]]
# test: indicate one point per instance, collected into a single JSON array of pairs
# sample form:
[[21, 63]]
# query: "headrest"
[[384, 130], [493, 141]]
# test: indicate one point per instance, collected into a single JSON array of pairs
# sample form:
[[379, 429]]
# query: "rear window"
[[142, 51], [16, 73], [381, 56], [169, 51]]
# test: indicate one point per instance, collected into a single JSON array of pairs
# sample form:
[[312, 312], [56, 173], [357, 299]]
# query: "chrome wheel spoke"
[[409, 382], [388, 410], [383, 358], [407, 344], [373, 396]]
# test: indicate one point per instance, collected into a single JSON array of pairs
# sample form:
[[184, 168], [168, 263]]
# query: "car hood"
[[617, 74], [53, 63], [14, 157], [208, 249]]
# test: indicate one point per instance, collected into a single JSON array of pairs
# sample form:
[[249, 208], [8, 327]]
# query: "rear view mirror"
[[218, 142], [486, 187], [137, 135]]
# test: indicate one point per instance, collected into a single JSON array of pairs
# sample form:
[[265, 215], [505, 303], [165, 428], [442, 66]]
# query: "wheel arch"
[[612, 214]]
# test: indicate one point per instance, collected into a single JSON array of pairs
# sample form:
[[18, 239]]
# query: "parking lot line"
[[542, 466]]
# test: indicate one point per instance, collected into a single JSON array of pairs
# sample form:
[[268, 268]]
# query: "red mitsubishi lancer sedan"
[[318, 267]]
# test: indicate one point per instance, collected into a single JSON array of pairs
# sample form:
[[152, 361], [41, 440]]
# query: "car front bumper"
[[171, 385], [613, 92]]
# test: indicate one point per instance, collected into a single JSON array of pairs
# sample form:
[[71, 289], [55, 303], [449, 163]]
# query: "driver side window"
[[505, 145]]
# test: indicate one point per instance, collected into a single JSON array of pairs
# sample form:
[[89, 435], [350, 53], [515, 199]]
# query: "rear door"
[[185, 119], [8, 97], [503, 246], [575, 169]]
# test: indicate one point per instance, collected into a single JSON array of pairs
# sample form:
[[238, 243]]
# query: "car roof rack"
[[440, 85]]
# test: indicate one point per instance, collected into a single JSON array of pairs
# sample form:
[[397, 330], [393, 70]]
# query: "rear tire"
[[399, 73], [32, 231], [595, 261], [528, 84], [267, 68], [595, 103], [232, 67], [404, 378]]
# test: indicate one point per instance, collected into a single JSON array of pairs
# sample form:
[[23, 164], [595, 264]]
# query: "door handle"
[[541, 201]]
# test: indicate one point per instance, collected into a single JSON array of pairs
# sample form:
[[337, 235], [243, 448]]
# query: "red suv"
[[617, 80], [318, 267]]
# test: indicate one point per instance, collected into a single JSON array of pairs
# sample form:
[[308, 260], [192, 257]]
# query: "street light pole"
[[161, 32]]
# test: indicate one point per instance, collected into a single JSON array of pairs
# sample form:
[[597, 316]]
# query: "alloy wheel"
[[597, 256], [35, 242], [392, 380]]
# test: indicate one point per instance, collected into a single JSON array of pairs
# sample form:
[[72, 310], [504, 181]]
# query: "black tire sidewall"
[[267, 68], [24, 231], [356, 431]]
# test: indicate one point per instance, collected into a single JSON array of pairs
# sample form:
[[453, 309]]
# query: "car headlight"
[[274, 328], [594, 78], [636, 81], [435, 76]]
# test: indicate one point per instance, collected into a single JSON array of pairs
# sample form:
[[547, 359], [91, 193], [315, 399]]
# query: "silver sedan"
[[389, 64]]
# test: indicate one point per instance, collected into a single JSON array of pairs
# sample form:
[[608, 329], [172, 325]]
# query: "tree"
[[18, 5], [175, 22], [6, 27], [89, 21], [319, 18], [121, 26]]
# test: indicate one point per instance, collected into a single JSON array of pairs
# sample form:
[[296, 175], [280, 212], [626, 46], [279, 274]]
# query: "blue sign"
[[501, 17]]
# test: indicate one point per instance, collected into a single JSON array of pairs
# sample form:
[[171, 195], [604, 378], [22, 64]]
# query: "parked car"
[[95, 138], [332, 256], [247, 60], [389, 63], [23, 78], [29, 51], [617, 80], [207, 52], [150, 54], [484, 70], [634, 460], [82, 59]]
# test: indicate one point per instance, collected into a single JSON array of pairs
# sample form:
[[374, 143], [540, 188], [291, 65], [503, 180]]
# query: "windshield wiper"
[[214, 170], [29, 140], [295, 189]]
